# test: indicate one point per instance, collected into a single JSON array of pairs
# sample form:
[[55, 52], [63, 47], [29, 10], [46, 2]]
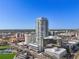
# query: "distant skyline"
[[22, 14]]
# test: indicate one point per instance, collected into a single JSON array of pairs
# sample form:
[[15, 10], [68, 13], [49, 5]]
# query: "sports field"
[[7, 56]]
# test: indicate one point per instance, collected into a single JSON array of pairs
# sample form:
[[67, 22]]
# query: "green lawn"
[[7, 56], [4, 47]]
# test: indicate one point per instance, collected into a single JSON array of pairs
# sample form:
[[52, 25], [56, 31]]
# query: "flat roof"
[[56, 50], [73, 41], [31, 44], [52, 37]]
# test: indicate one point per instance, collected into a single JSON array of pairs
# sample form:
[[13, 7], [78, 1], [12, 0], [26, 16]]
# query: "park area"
[[6, 54], [4, 47]]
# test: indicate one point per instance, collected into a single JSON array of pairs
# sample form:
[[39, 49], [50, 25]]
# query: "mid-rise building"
[[28, 38]]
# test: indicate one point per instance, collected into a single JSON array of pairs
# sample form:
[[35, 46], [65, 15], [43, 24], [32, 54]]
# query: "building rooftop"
[[52, 37], [42, 18], [34, 45], [57, 52], [73, 41]]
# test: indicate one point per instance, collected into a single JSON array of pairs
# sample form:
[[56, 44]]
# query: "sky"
[[22, 14]]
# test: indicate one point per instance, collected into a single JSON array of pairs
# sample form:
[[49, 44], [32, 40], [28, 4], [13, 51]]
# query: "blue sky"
[[22, 14]]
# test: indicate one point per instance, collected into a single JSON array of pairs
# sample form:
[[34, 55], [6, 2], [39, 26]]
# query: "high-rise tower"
[[41, 31]]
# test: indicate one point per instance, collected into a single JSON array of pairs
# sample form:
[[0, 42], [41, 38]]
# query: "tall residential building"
[[41, 31]]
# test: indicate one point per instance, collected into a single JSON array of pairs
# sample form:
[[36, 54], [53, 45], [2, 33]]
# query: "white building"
[[56, 53]]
